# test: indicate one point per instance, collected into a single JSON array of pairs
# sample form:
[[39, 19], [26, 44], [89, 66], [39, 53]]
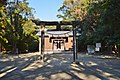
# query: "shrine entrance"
[[58, 45]]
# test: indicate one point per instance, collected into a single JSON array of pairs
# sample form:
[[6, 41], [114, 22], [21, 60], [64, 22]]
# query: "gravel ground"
[[58, 66]]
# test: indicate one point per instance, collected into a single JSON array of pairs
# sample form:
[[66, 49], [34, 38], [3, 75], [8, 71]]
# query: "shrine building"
[[57, 40]]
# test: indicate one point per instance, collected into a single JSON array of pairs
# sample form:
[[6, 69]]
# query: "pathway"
[[58, 67]]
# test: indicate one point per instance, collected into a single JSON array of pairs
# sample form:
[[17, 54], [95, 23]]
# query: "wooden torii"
[[58, 27]]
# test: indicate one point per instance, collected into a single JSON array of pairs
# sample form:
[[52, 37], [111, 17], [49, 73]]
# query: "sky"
[[46, 10]]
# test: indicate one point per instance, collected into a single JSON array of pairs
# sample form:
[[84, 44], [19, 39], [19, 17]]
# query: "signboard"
[[97, 49], [98, 45]]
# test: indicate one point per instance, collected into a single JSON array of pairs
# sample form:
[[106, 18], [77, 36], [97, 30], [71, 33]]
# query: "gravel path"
[[58, 67]]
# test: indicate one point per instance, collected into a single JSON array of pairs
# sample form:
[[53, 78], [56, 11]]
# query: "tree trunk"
[[14, 47]]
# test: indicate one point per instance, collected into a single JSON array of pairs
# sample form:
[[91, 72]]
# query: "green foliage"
[[16, 28], [3, 22], [33, 46], [100, 19], [29, 28]]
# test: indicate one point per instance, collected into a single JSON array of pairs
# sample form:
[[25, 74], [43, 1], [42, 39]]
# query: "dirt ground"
[[58, 66]]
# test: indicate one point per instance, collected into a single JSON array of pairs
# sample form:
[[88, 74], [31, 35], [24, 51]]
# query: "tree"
[[2, 23], [13, 33], [73, 10], [79, 10], [111, 19], [97, 17]]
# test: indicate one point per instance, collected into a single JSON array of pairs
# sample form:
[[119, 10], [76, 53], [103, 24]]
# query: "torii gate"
[[58, 26]]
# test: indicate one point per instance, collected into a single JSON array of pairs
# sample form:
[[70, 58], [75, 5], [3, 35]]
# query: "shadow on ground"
[[58, 67]]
